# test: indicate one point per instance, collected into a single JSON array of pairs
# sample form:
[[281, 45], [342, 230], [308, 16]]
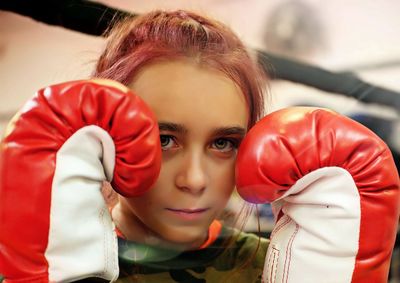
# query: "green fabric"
[[234, 257]]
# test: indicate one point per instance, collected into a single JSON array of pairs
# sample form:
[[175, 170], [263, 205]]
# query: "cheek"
[[158, 193], [164, 182], [223, 176]]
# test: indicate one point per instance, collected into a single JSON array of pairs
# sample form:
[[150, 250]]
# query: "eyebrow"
[[223, 131], [230, 131], [172, 127]]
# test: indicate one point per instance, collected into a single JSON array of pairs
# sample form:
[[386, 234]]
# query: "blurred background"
[[357, 42]]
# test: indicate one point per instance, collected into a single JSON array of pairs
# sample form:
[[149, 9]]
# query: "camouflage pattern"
[[234, 257]]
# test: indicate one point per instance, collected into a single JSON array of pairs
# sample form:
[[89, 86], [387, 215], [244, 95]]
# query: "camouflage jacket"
[[233, 257]]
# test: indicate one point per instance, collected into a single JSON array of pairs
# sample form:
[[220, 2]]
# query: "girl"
[[330, 179], [206, 92]]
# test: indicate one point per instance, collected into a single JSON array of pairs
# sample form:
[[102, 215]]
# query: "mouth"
[[188, 210], [188, 213]]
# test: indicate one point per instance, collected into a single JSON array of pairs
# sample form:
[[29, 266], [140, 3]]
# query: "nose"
[[192, 177]]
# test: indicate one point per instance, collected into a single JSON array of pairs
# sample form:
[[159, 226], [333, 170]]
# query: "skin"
[[202, 117]]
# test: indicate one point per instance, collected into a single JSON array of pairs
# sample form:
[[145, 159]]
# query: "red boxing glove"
[[54, 223], [335, 189]]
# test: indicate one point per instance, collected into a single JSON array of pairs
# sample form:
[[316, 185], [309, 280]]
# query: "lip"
[[188, 213]]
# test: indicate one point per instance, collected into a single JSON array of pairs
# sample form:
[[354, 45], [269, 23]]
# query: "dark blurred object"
[[346, 84], [79, 15]]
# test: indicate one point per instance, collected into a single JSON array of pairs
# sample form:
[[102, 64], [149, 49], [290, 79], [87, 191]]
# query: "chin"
[[186, 236]]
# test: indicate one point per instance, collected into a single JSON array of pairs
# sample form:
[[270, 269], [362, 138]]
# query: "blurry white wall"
[[352, 33]]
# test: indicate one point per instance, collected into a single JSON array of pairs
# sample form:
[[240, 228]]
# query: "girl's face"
[[202, 116]]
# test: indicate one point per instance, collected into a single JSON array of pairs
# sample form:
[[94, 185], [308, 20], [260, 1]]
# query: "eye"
[[167, 142], [224, 145]]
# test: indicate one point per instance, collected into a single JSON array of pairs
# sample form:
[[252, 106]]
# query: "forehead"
[[180, 91]]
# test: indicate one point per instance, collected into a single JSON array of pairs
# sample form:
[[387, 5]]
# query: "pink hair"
[[162, 35]]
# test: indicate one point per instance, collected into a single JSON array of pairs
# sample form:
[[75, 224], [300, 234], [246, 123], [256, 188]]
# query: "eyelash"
[[233, 142], [169, 139]]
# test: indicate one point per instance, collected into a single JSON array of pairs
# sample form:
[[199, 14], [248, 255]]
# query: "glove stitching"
[[289, 252], [280, 226], [273, 257]]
